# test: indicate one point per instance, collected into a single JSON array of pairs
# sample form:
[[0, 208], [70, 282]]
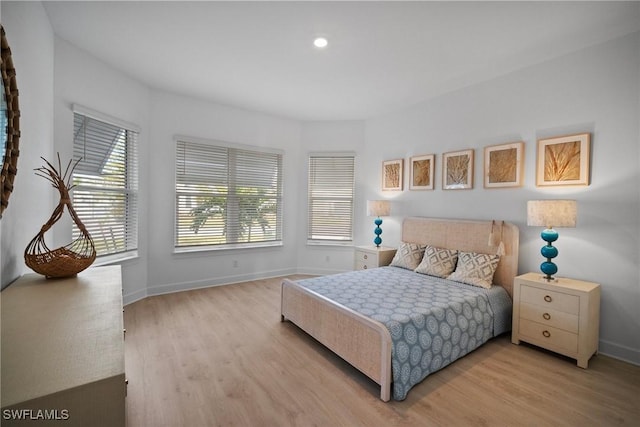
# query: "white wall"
[[333, 137], [82, 79], [30, 38], [173, 115], [594, 90]]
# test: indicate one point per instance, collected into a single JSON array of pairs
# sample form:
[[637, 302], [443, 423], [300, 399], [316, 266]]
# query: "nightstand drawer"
[[548, 336], [550, 299], [361, 265], [365, 257], [550, 317]]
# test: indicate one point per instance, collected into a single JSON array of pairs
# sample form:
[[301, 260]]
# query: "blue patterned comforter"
[[432, 321]]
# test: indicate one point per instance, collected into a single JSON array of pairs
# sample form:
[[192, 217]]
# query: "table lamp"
[[549, 214], [378, 208]]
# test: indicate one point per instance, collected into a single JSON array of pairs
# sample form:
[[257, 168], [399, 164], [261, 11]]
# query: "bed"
[[350, 314]]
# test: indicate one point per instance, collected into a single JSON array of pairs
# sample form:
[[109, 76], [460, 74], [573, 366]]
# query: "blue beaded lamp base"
[[378, 231], [549, 251]]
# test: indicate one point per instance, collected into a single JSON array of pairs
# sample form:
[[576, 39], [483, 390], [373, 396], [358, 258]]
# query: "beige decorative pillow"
[[475, 269], [408, 255], [438, 262]]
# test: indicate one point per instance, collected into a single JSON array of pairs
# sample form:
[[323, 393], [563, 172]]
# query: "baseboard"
[[217, 281], [319, 271], [134, 296], [620, 352]]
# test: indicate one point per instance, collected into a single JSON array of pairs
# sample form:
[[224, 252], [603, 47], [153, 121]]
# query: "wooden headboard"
[[469, 236]]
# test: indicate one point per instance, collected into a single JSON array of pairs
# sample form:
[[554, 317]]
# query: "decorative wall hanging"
[[9, 123], [392, 173], [457, 170], [72, 258], [563, 160], [422, 172], [504, 165]]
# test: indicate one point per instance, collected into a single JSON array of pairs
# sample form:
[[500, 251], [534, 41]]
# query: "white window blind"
[[106, 184], [331, 194], [227, 195]]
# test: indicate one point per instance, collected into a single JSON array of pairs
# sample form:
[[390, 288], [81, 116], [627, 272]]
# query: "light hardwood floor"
[[221, 357]]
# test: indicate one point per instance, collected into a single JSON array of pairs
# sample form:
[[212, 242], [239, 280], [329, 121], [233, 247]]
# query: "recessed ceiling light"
[[320, 42]]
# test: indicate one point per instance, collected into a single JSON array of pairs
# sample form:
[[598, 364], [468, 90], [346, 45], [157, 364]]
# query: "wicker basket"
[[67, 260]]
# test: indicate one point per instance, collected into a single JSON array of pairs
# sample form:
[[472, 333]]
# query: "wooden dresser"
[[372, 257], [63, 350], [562, 315]]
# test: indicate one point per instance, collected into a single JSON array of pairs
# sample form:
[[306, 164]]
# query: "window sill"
[[115, 258], [348, 244], [216, 248]]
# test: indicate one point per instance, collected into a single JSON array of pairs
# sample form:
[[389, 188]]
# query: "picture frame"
[[421, 172], [392, 175], [457, 170], [504, 165], [563, 160]]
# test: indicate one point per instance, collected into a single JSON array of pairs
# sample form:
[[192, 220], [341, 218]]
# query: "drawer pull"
[[547, 298], [365, 256], [364, 267], [546, 334], [546, 316]]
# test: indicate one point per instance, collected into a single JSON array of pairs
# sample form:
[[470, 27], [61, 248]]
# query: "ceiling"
[[382, 56]]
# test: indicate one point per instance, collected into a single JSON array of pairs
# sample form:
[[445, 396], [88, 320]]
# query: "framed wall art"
[[421, 171], [563, 160], [392, 173], [504, 165], [457, 170]]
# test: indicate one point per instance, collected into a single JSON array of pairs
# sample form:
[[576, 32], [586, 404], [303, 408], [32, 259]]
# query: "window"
[[331, 193], [227, 195], [106, 181]]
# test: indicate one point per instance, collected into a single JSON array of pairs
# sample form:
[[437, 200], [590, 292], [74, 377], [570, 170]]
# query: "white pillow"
[[439, 262], [408, 255], [475, 269]]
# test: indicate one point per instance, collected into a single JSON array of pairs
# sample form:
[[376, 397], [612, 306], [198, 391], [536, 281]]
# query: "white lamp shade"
[[378, 208], [552, 213]]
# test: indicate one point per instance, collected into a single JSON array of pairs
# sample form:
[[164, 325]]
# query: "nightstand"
[[372, 257], [561, 315]]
